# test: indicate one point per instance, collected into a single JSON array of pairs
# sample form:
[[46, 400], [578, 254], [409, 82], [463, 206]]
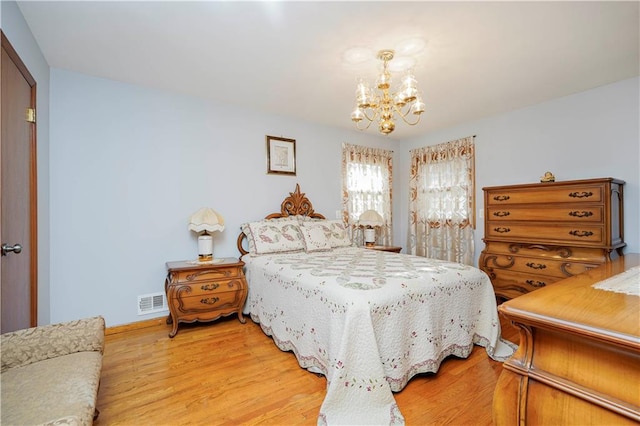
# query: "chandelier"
[[381, 105]]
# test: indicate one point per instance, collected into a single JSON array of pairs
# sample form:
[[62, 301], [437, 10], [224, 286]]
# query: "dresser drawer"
[[574, 214], [492, 263], [541, 195], [196, 275], [570, 234], [510, 284], [207, 303], [586, 255]]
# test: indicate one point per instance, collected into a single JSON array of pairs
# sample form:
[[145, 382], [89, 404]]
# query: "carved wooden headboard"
[[295, 204]]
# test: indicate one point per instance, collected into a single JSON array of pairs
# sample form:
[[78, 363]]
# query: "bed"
[[367, 320]]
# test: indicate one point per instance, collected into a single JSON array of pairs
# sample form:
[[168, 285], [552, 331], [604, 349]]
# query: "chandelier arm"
[[373, 117], [404, 115], [364, 128]]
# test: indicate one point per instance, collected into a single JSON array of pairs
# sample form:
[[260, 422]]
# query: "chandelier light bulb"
[[418, 106], [399, 100], [384, 80], [363, 95], [357, 115]]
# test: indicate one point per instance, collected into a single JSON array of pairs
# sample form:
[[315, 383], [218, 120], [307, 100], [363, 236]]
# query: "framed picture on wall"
[[281, 156]]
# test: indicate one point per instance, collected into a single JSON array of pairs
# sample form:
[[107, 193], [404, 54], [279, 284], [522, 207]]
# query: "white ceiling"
[[480, 59]]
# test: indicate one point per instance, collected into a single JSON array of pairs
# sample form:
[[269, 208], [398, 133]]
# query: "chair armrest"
[[30, 345]]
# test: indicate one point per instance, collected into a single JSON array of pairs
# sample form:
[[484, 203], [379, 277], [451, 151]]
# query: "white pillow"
[[336, 232], [314, 238], [278, 236], [339, 234]]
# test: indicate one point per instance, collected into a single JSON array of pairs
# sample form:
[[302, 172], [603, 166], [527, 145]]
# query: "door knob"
[[16, 248]]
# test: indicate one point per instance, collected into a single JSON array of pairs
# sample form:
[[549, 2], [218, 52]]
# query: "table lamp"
[[204, 222], [369, 220]]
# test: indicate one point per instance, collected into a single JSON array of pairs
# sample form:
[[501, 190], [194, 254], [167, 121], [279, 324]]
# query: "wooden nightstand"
[[394, 249], [204, 291]]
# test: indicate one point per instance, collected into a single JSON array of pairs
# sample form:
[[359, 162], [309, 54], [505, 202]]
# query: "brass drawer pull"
[[536, 283], [536, 265], [581, 233], [502, 230], [210, 300], [501, 214], [582, 194], [501, 197], [206, 287], [581, 214]]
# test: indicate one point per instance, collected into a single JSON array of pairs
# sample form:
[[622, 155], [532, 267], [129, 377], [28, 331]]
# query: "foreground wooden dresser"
[[578, 362], [537, 234]]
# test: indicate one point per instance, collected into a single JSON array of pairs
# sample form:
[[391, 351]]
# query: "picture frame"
[[281, 156]]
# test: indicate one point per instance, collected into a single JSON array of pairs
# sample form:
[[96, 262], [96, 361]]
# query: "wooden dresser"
[[578, 362], [537, 234]]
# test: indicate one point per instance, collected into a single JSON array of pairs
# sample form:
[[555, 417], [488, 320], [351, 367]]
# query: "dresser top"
[[574, 305], [558, 183]]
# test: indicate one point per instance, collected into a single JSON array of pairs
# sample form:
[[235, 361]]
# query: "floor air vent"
[[151, 303]]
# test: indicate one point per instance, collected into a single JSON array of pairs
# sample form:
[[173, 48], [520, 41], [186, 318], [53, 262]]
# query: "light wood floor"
[[228, 373]]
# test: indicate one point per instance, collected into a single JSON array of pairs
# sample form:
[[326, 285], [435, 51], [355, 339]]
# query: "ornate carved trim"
[[563, 252], [494, 261], [298, 204], [295, 204]]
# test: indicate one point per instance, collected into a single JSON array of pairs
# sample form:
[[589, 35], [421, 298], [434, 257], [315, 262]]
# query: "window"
[[366, 185], [442, 201]]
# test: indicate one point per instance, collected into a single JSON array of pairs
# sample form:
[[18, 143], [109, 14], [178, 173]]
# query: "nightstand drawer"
[[204, 274], [391, 249], [206, 287], [207, 302]]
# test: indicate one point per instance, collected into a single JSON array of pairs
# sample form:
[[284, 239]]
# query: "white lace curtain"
[[366, 185], [441, 201]]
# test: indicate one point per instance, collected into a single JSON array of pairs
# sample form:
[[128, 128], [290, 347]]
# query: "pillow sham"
[[314, 238], [339, 234], [273, 236], [336, 231]]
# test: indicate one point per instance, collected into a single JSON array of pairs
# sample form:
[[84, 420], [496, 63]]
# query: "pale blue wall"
[[129, 165], [587, 135], [19, 35]]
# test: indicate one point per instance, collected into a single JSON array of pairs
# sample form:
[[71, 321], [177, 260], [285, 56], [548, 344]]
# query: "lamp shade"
[[370, 218], [206, 220]]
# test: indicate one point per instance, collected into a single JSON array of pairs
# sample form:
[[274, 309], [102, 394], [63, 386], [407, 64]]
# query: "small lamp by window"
[[204, 222], [370, 220]]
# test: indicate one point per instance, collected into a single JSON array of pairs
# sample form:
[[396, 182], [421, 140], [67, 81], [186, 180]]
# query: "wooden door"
[[18, 233]]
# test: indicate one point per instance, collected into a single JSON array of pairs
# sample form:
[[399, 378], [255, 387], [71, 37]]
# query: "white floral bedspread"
[[370, 320]]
